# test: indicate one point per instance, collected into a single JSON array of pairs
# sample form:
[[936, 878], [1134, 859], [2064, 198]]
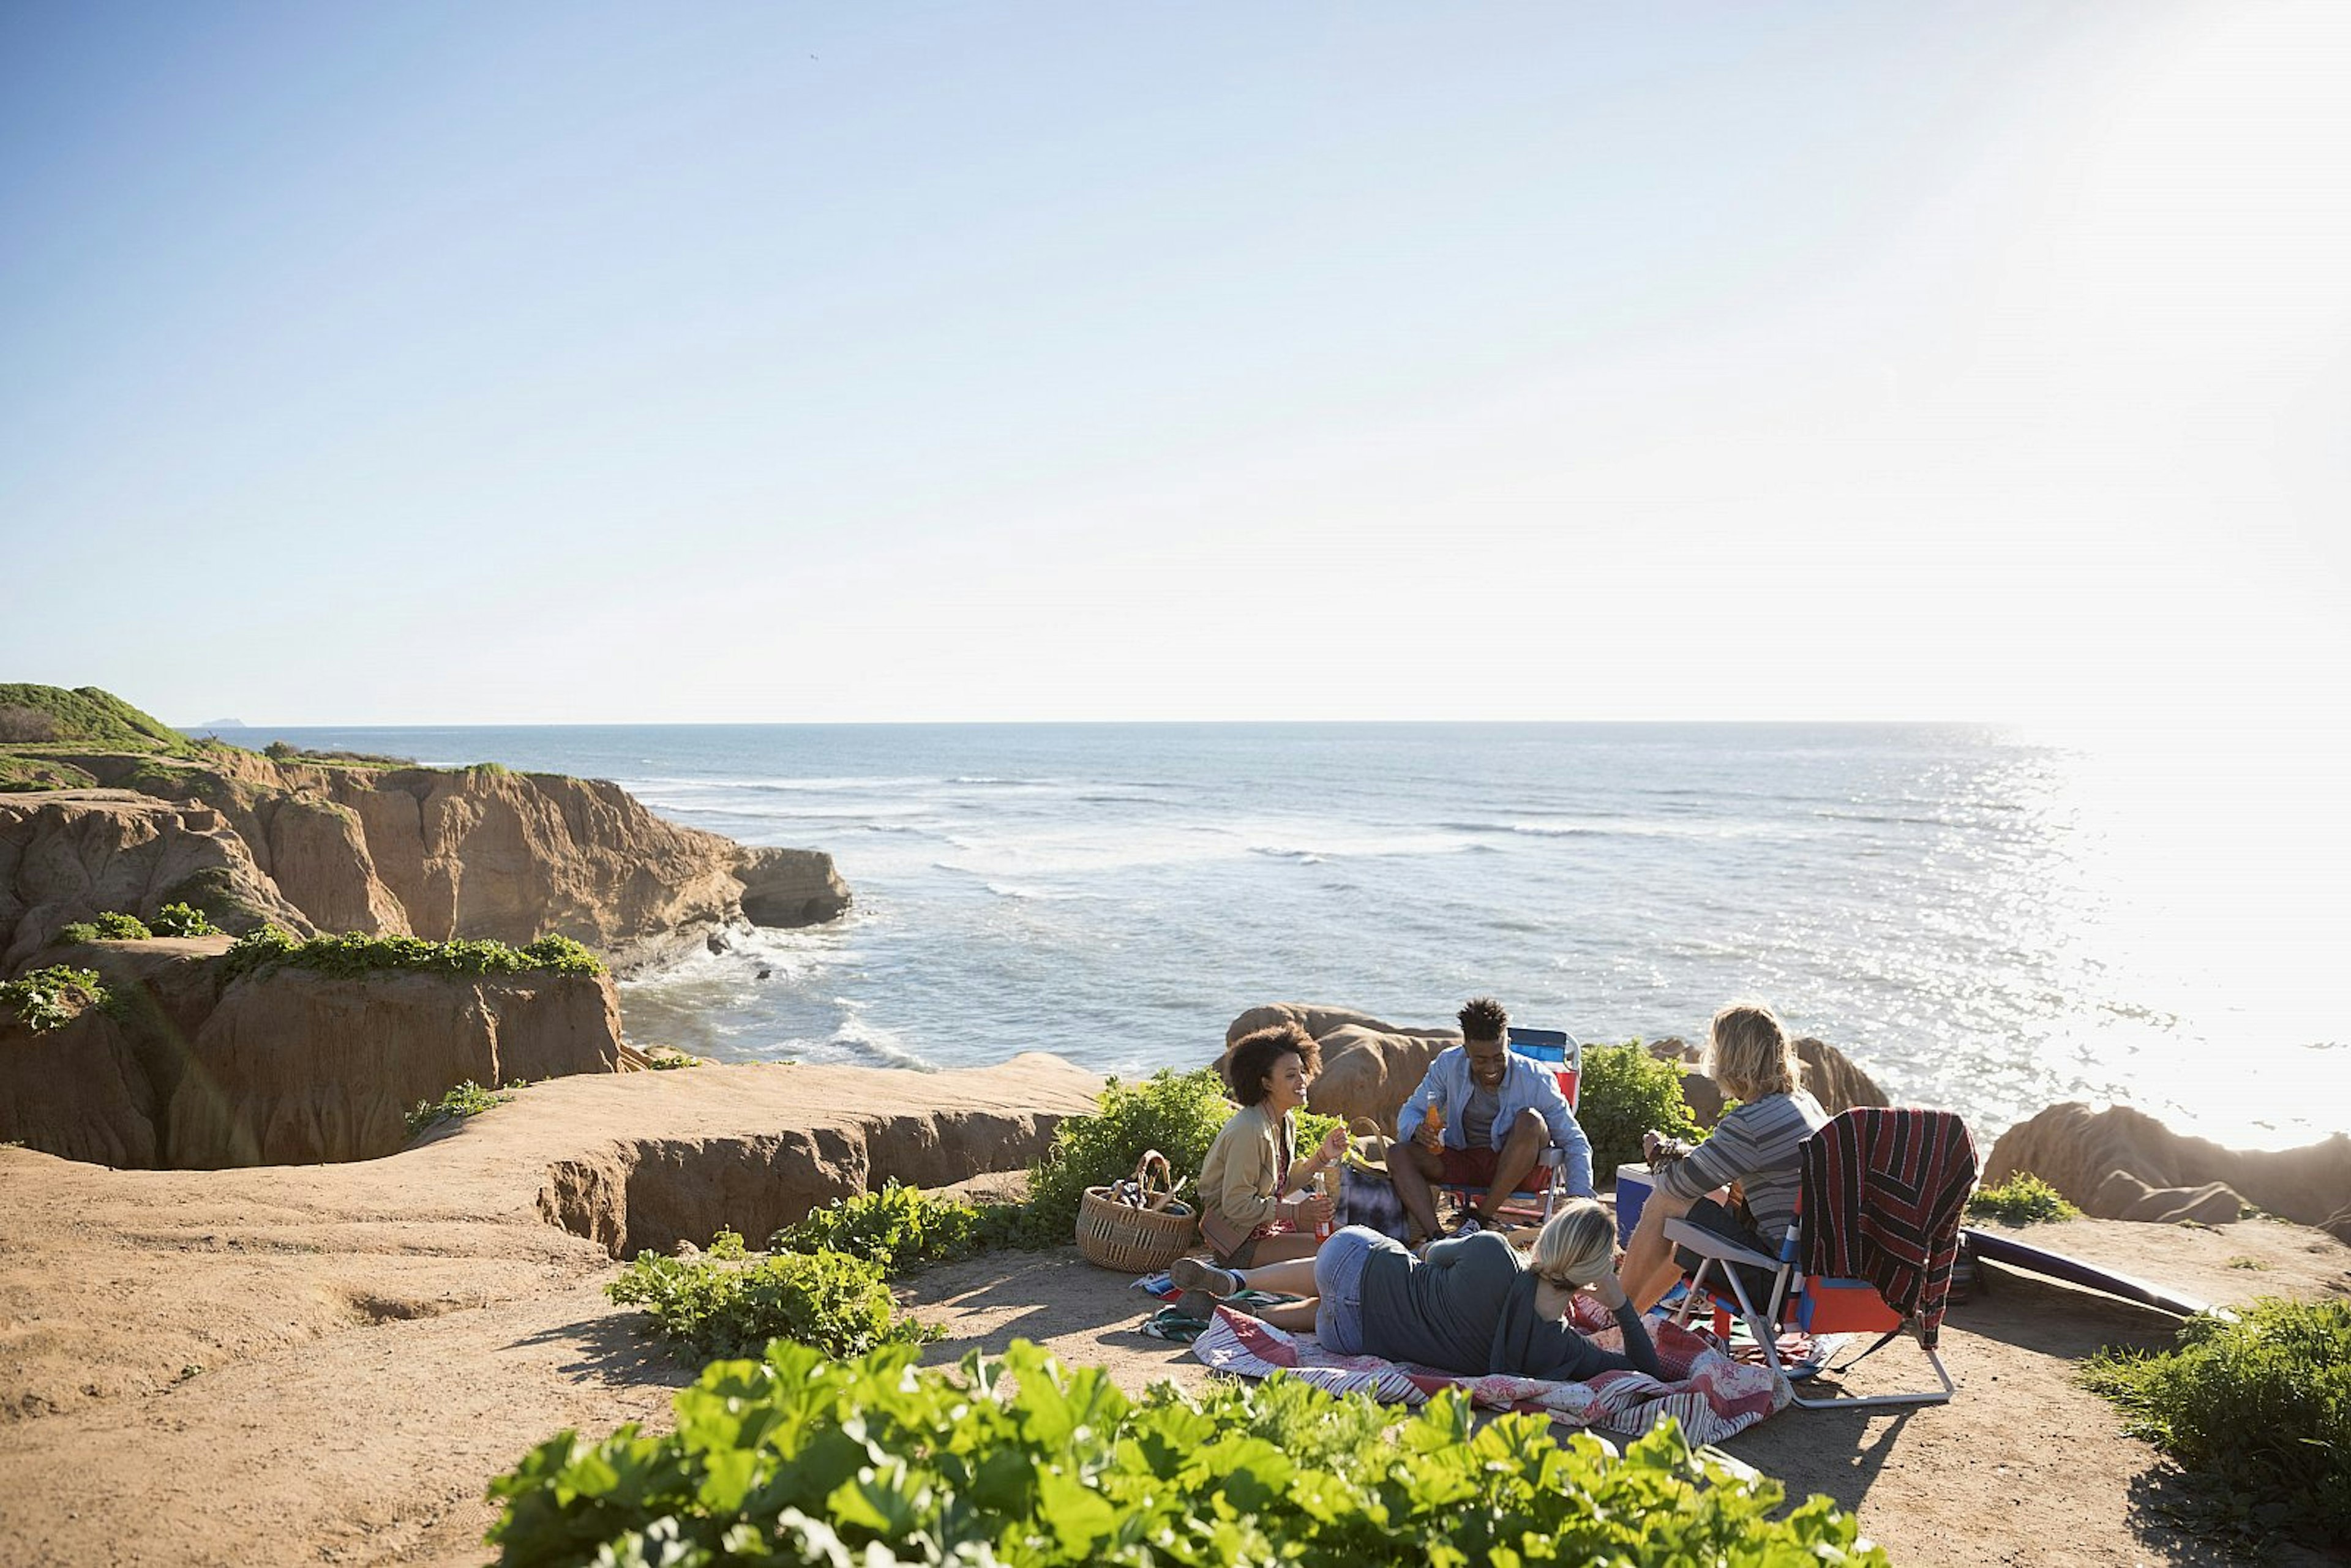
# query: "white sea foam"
[[1994, 923]]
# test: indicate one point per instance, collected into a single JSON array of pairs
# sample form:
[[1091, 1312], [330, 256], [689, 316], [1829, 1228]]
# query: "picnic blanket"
[[1711, 1395]]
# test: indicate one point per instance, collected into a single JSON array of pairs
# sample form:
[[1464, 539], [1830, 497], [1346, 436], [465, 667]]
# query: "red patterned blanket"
[[1711, 1395]]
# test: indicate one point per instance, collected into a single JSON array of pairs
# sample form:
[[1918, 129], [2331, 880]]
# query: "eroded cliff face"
[[444, 854], [282, 1066], [70, 855]]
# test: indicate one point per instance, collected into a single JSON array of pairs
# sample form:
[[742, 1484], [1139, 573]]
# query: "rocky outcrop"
[[297, 1068], [163, 990], [284, 1066], [1369, 1067], [71, 854], [1833, 1078], [2121, 1163], [655, 1191], [1318, 1020], [77, 1091], [483, 852], [789, 888]]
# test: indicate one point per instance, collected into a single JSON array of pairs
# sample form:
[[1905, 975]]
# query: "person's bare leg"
[[1412, 1167], [1649, 1269], [1296, 1317], [1530, 1135], [1284, 1277], [1282, 1249]]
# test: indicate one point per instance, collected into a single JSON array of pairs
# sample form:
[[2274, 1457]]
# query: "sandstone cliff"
[[294, 1068], [474, 852], [281, 1066], [67, 855], [2121, 1163]]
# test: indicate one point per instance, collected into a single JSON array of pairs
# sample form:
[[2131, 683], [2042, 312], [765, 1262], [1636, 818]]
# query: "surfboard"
[[2016, 1254]]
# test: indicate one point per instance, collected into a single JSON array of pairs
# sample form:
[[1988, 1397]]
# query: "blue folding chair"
[[1564, 1054]]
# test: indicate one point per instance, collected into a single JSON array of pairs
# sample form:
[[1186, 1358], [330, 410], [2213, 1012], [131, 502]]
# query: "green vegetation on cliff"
[[86, 715], [467, 1098], [52, 998], [113, 925], [23, 773], [355, 954]]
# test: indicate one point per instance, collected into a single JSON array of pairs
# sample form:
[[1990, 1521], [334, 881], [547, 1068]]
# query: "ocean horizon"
[[1982, 918]]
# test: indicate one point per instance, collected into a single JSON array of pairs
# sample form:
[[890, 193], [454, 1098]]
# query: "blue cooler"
[[1634, 1185]]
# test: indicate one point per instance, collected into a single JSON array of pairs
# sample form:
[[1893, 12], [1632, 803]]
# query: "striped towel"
[[1885, 1190], [1712, 1395]]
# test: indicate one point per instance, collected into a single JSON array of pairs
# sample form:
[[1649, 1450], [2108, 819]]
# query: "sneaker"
[[1198, 1274]]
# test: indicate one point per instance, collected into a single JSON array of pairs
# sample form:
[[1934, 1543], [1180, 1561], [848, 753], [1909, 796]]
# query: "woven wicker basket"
[[1137, 1238]]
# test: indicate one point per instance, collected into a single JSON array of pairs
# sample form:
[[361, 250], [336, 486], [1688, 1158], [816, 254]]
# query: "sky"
[[588, 362]]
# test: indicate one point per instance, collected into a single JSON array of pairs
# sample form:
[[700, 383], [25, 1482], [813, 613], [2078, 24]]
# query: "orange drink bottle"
[[1322, 1189]]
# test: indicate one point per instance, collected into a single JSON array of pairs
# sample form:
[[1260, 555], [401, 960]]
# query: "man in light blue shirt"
[[1482, 1117]]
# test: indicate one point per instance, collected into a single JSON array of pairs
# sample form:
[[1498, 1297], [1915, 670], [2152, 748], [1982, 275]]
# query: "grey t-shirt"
[[1478, 1117], [1441, 1311]]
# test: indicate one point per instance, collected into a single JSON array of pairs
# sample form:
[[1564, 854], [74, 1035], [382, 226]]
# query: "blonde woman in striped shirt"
[[1756, 1146]]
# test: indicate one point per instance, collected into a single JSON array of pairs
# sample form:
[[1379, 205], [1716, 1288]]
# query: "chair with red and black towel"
[[1871, 1249]]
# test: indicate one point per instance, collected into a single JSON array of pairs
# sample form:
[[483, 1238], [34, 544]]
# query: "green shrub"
[[261, 945], [52, 998], [1021, 1462], [116, 926], [2261, 1405], [467, 1098], [1177, 1113], [726, 1304], [2023, 1199], [1623, 1092], [74, 931], [902, 1228], [354, 955], [184, 920]]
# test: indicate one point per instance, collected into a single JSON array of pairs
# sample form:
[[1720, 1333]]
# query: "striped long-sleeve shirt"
[[1757, 1146]]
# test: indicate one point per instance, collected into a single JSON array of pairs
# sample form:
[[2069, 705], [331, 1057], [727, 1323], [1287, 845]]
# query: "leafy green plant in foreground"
[[1021, 1461], [2023, 1199], [467, 1098], [53, 997], [726, 1302], [2260, 1404]]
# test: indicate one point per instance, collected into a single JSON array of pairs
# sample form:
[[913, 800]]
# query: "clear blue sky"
[[583, 362]]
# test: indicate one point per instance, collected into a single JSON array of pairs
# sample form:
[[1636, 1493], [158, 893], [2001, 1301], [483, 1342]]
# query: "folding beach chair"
[[1869, 1251], [1534, 1204]]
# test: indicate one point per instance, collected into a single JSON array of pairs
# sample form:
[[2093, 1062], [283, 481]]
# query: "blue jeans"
[[1338, 1286]]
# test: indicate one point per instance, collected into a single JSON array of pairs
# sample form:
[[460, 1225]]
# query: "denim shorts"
[[1338, 1286]]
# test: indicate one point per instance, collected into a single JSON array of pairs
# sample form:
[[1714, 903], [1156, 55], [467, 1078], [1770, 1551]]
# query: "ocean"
[[1983, 919]]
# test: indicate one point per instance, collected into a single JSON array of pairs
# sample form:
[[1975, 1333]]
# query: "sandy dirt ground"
[[273, 1376]]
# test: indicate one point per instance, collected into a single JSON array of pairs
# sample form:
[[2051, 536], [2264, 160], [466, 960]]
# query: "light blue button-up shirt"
[[1525, 1082]]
